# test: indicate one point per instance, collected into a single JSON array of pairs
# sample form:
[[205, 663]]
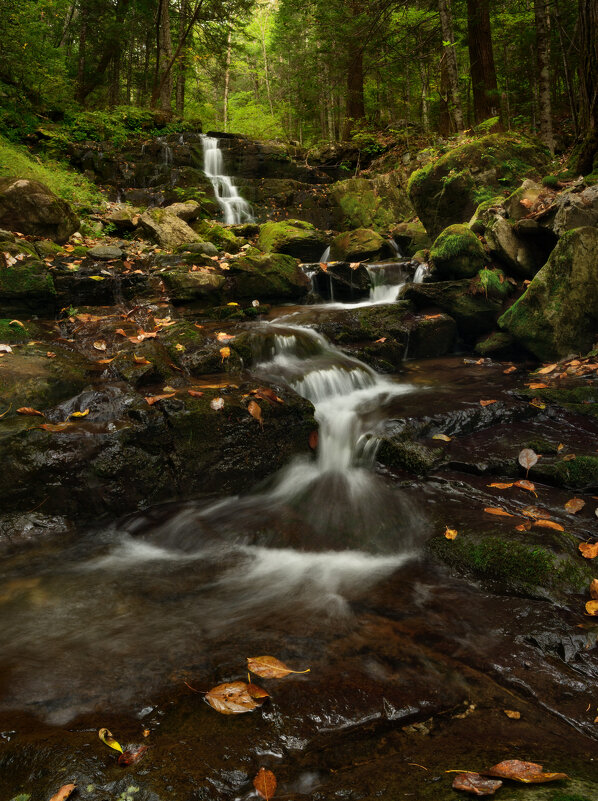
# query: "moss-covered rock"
[[411, 237], [27, 286], [31, 378], [294, 237], [498, 345], [558, 313], [220, 236], [521, 255], [362, 244], [492, 282], [265, 276], [457, 253], [407, 455], [449, 190], [31, 208], [187, 286], [166, 228], [377, 203]]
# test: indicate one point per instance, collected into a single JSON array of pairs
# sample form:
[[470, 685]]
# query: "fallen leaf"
[[232, 698], [56, 426], [225, 352], [268, 667], [255, 411], [594, 590], [382, 339], [232, 303], [179, 347], [569, 457], [64, 792], [526, 772], [476, 784], [512, 713], [106, 737], [142, 335], [535, 513], [27, 410], [537, 386], [266, 394], [140, 359], [100, 345], [255, 303], [450, 533], [155, 398], [131, 755], [256, 692], [221, 336], [527, 459], [354, 265], [537, 403], [592, 608], [313, 440], [195, 393], [5, 349], [486, 402], [217, 404], [498, 512], [560, 447], [442, 437], [548, 524], [588, 549], [432, 316], [168, 388], [80, 414], [526, 485], [265, 783], [499, 485], [511, 369], [50, 355], [548, 369], [105, 361], [575, 505], [121, 332]]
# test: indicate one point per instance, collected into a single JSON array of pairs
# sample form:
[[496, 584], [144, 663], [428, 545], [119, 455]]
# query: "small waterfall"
[[166, 152], [385, 282], [392, 242], [325, 257], [235, 209], [421, 272]]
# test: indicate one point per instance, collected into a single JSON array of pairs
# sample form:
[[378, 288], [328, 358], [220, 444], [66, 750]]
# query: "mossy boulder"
[[265, 276], [449, 189], [377, 203], [457, 253], [31, 208], [294, 237], [27, 287], [520, 201], [166, 228], [407, 455], [362, 244], [30, 378], [411, 237], [521, 255], [497, 345], [186, 286], [558, 313], [220, 236]]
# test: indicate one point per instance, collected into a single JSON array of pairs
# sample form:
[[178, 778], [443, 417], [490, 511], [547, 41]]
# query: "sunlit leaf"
[[512, 713], [140, 359], [575, 505], [548, 524], [225, 352], [255, 411], [265, 783], [5, 349], [105, 361], [548, 369], [80, 414], [487, 402], [526, 772], [267, 394], [195, 393], [588, 549], [381, 340], [450, 533], [50, 354], [442, 437], [156, 398], [537, 386], [222, 336], [106, 737], [64, 792], [27, 410], [232, 698], [498, 512], [592, 608], [268, 667], [475, 784], [500, 485], [511, 369], [18, 322]]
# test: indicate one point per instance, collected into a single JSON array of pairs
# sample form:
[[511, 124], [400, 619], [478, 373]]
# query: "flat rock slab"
[[105, 252]]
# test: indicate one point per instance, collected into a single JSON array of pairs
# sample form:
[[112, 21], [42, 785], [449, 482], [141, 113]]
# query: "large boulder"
[[457, 253], [219, 235], [27, 287], [377, 203], [166, 228], [265, 276], [575, 210], [558, 313], [31, 208], [293, 237], [448, 190], [362, 244]]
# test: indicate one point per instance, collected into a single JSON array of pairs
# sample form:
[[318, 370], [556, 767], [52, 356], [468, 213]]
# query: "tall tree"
[[481, 61], [588, 86], [162, 91], [450, 61], [543, 51]]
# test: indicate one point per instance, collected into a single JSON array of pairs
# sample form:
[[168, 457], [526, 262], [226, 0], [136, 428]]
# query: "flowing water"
[[235, 209]]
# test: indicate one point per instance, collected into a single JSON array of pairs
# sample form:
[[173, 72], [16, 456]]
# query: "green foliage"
[[551, 181], [17, 162]]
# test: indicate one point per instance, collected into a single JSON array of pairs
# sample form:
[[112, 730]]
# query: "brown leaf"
[[265, 783], [525, 526], [64, 792], [475, 784], [486, 402], [256, 692], [535, 513], [266, 394], [537, 386], [511, 369], [512, 713], [498, 512], [27, 410], [594, 590], [588, 549], [195, 393], [268, 667], [100, 345], [255, 410], [569, 457], [575, 505], [450, 533], [548, 369], [592, 608], [527, 458], [155, 398], [313, 440], [121, 332], [56, 426], [232, 698], [500, 485], [140, 359], [526, 772], [526, 485], [131, 755], [548, 524]]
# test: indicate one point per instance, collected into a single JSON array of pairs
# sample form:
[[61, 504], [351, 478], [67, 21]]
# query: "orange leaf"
[[526, 485], [498, 512], [131, 755], [574, 505], [512, 713], [592, 608], [450, 533], [526, 772], [105, 361], [486, 402], [265, 783], [140, 359], [569, 457], [255, 410], [511, 369], [499, 485], [121, 332], [525, 526], [221, 336], [548, 524], [267, 394], [195, 393], [225, 352], [56, 426], [155, 398], [548, 369], [268, 667], [27, 410], [537, 386], [594, 590], [64, 792], [382, 339], [588, 549]]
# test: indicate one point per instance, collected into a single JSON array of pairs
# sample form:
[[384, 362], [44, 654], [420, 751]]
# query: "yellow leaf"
[[225, 352], [512, 713], [592, 608], [268, 667], [442, 437], [107, 738], [80, 414], [450, 533]]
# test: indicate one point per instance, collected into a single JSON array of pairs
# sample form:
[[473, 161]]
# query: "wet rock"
[[444, 191], [558, 312], [407, 455], [31, 208], [167, 229], [375, 203], [362, 244], [220, 236], [105, 252], [497, 345], [265, 276], [203, 248], [17, 530], [293, 237], [341, 281], [186, 286], [410, 237], [27, 287], [457, 253]]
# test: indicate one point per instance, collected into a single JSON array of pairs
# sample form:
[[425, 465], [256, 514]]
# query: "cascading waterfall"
[[235, 209]]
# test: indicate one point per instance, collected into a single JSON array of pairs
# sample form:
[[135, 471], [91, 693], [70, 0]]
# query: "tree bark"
[[588, 86], [355, 110], [182, 71], [543, 54], [162, 92], [450, 61], [481, 61], [227, 80]]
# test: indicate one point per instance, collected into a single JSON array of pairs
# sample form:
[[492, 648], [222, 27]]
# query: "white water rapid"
[[235, 209]]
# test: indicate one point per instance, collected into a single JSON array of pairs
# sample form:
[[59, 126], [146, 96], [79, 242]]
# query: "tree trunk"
[[588, 87], [481, 61], [182, 72], [227, 80], [355, 110], [543, 52], [566, 70], [450, 61], [80, 93], [162, 92]]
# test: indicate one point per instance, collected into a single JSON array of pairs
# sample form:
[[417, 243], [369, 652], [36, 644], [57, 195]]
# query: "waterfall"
[[324, 258], [235, 209], [421, 272]]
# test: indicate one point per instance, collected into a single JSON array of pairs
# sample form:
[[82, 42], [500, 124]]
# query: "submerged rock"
[[558, 313], [31, 208]]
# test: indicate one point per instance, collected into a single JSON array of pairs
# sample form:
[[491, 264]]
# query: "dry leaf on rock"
[[512, 713], [535, 513], [265, 783], [548, 369], [592, 608], [526, 772], [588, 549], [217, 404], [268, 667], [498, 512], [450, 533], [131, 755], [527, 458], [84, 413], [140, 359], [476, 784], [64, 792], [594, 590], [575, 505], [100, 345], [486, 402], [195, 393], [155, 398], [267, 394], [225, 352], [255, 411], [500, 485], [233, 698], [442, 437], [525, 485], [27, 410], [548, 524], [106, 737]]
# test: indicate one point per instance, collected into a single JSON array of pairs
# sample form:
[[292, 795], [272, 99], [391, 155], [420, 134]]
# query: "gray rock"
[[31, 208], [167, 229], [105, 252], [513, 251], [576, 210], [203, 248]]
